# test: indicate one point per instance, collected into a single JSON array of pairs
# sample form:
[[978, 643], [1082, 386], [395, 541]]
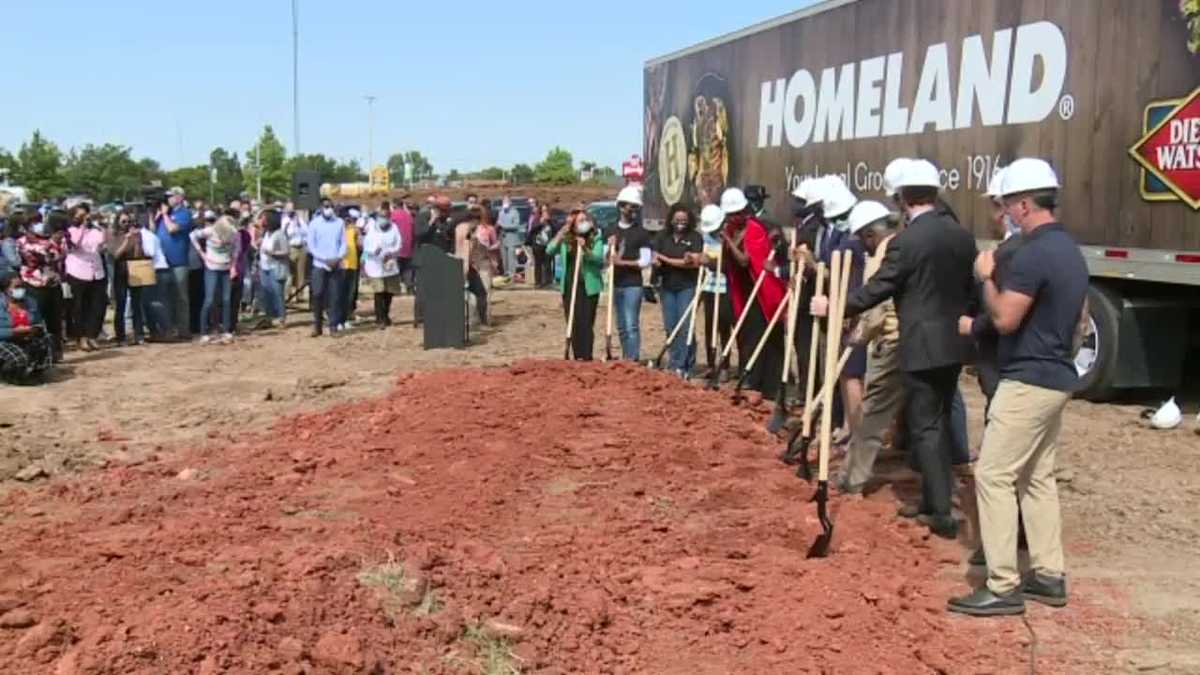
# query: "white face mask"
[[583, 227], [327, 212], [18, 293], [1010, 226], [39, 228]]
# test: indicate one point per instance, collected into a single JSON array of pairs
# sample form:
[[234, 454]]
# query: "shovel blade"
[[788, 456], [820, 546], [780, 417]]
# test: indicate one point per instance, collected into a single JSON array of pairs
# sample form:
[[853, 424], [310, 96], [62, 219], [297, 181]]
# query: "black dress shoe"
[[977, 559], [945, 527], [1045, 589], [983, 602]]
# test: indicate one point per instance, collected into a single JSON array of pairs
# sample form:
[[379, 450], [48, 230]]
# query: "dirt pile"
[[546, 517]]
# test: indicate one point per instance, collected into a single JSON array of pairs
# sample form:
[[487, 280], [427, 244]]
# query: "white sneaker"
[[348, 324], [227, 338], [206, 339]]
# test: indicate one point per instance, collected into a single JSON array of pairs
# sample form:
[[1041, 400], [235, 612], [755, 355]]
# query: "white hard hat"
[[630, 194], [893, 174], [1028, 174], [993, 186], [733, 200], [809, 190], [919, 173], [866, 212], [838, 198], [711, 218]]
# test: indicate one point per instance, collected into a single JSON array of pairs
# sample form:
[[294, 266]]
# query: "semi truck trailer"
[[1108, 91]]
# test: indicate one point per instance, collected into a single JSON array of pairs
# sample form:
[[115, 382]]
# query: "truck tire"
[[1096, 360]]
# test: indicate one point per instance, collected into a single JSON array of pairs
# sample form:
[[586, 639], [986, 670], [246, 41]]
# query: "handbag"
[[141, 272]]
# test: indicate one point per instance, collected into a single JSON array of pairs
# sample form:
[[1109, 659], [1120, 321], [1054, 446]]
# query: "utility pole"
[[296, 75], [258, 167], [370, 132]]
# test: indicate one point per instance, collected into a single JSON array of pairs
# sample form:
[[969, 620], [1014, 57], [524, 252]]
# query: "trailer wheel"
[[1096, 360]]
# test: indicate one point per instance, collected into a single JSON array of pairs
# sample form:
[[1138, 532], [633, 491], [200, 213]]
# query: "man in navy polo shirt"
[[1036, 308], [173, 225]]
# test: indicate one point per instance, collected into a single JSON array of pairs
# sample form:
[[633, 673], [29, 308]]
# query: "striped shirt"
[[713, 283]]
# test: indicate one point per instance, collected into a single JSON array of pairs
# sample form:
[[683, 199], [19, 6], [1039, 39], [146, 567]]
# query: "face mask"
[[583, 227], [679, 227], [327, 212], [18, 293], [1010, 226], [39, 229]]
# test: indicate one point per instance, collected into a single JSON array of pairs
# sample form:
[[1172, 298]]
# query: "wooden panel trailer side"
[[1106, 90]]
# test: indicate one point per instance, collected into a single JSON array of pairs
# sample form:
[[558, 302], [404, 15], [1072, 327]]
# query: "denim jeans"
[[960, 447], [272, 293], [326, 290], [216, 288], [173, 287], [674, 304], [627, 301]]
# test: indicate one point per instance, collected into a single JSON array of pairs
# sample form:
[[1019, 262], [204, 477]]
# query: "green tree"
[[276, 183], [557, 169], [348, 172], [422, 169], [193, 179], [230, 180], [606, 172], [8, 164], [105, 172], [39, 168], [454, 176], [492, 173], [521, 173]]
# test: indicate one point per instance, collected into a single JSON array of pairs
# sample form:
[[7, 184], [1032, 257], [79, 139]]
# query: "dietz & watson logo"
[[1169, 153], [861, 99]]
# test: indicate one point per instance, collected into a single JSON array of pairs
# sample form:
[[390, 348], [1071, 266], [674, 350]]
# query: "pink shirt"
[[403, 221], [83, 253]]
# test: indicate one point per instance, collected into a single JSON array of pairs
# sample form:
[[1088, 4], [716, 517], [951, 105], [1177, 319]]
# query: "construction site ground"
[[290, 504]]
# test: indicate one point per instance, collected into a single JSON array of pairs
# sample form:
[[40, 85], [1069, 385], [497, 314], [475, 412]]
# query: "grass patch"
[[388, 579], [493, 655], [430, 604]]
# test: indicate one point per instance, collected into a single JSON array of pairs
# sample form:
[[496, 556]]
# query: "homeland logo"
[[1170, 151]]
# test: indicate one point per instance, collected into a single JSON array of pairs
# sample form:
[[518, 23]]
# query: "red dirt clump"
[[581, 517]]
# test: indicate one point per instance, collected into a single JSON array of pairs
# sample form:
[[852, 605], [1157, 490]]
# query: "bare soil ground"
[[282, 504]]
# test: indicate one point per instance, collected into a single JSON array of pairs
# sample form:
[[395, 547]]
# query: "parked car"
[[605, 214]]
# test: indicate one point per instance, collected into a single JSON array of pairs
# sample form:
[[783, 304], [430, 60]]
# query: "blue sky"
[[470, 84]]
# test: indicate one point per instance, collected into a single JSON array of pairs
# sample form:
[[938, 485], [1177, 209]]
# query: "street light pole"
[[296, 75], [370, 132]]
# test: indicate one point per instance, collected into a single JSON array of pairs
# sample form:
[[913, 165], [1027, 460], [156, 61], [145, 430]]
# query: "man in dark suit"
[[928, 273]]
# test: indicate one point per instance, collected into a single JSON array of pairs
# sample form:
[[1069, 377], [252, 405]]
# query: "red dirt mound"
[[548, 517]]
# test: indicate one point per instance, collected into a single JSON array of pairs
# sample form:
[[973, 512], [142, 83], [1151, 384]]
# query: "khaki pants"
[[883, 400], [298, 265], [1017, 462]]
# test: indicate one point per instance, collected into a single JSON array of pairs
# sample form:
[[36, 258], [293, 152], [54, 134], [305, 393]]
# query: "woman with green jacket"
[[580, 233]]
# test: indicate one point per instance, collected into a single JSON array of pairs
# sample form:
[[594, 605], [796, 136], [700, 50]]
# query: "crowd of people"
[[923, 302], [171, 271]]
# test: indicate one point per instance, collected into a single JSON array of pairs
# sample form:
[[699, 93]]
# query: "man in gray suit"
[[512, 235]]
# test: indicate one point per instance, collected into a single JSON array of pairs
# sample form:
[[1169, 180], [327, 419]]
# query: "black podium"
[[442, 300]]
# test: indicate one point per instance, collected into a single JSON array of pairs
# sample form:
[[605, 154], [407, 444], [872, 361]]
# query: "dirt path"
[[1130, 495]]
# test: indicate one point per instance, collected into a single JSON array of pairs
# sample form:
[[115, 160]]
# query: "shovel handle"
[[812, 355], [762, 342], [746, 310], [798, 287], [608, 320], [574, 293]]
